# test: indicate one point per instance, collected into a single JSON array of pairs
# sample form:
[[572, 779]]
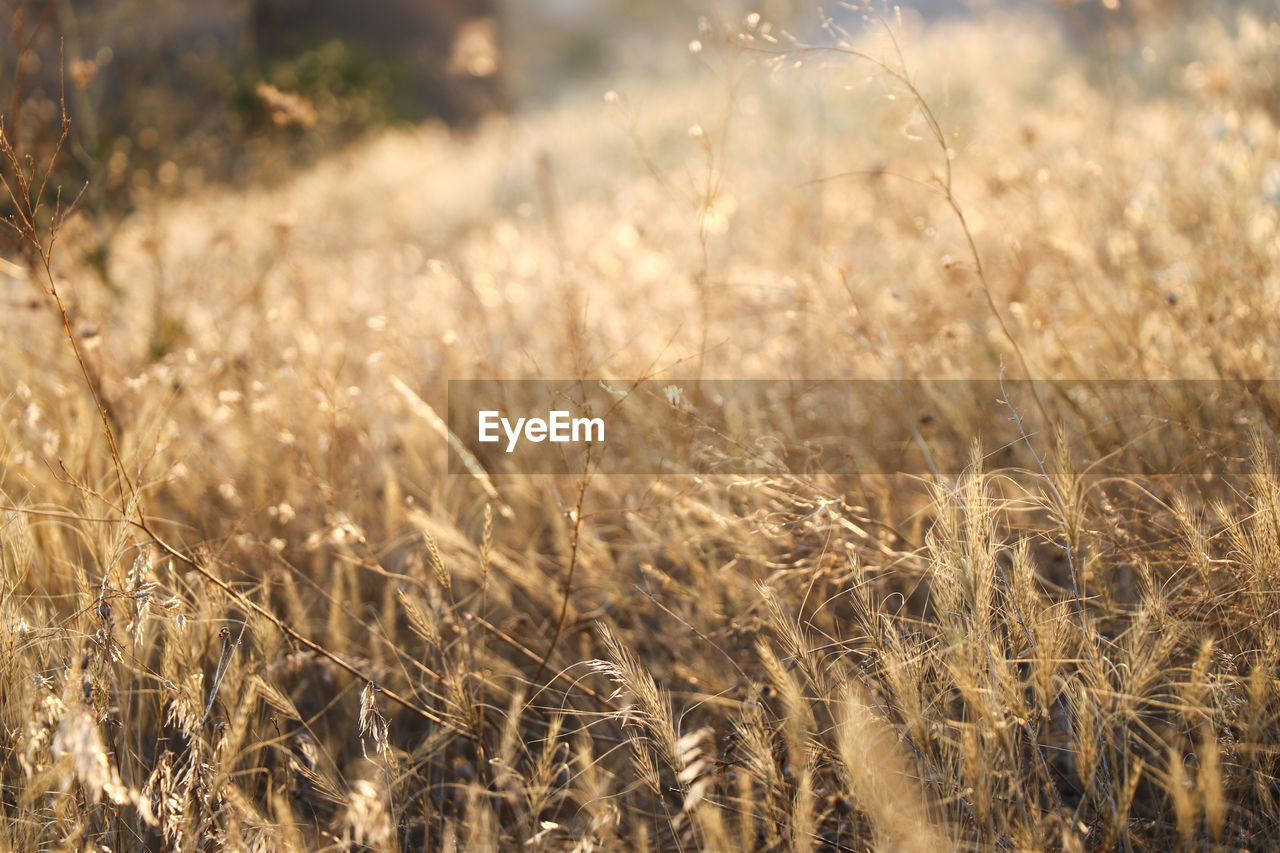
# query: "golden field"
[[245, 605]]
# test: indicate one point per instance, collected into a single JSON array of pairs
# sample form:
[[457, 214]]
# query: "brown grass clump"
[[244, 605]]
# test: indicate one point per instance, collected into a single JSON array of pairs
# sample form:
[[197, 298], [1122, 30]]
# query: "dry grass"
[[265, 617]]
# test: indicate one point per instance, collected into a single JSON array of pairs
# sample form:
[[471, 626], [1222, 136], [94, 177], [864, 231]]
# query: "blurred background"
[[165, 96]]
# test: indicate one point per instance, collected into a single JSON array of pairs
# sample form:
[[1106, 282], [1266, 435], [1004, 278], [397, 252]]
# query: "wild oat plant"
[[244, 605]]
